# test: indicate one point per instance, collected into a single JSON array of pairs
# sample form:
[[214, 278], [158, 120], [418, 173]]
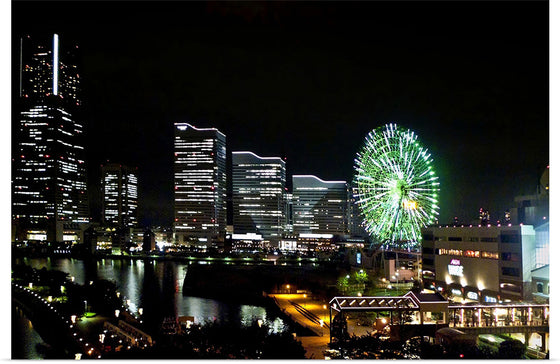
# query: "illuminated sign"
[[358, 258], [456, 292], [490, 299], [472, 253], [472, 295], [455, 268]]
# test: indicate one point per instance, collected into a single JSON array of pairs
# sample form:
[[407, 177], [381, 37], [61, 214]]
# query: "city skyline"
[[308, 81]]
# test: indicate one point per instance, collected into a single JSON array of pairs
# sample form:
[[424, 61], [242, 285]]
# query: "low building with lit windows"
[[479, 263]]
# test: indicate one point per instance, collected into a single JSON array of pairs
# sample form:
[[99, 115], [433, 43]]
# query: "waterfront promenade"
[[308, 312]]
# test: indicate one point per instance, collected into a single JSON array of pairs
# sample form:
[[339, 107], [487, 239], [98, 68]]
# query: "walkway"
[[308, 313]]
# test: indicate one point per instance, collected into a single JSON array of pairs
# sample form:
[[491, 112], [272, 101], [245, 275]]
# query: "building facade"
[[479, 263], [319, 206], [119, 189], [533, 209], [258, 194], [49, 196], [199, 184], [356, 226]]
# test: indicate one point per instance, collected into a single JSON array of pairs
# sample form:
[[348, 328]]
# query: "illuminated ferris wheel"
[[397, 186]]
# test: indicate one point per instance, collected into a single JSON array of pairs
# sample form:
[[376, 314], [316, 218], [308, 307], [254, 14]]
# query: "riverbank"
[[260, 259], [48, 323]]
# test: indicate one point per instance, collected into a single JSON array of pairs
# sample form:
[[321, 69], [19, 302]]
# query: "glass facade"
[[199, 183], [319, 206], [258, 195], [49, 175], [119, 186]]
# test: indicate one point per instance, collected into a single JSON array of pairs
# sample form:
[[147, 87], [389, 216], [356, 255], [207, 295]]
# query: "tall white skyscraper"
[[49, 175], [258, 195], [199, 184]]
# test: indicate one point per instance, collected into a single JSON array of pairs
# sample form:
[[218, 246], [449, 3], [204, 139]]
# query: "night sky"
[[307, 81]]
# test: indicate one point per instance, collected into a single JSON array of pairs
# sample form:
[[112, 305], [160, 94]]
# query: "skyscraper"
[[258, 194], [319, 206], [199, 183], [356, 226], [48, 166], [119, 188]]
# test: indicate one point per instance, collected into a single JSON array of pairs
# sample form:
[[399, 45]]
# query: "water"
[[28, 341], [156, 287]]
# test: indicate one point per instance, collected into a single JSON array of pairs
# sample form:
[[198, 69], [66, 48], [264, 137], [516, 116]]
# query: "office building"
[[319, 206], [50, 201], [479, 263], [119, 188], [199, 185], [288, 212], [542, 245], [356, 226], [258, 185], [533, 209]]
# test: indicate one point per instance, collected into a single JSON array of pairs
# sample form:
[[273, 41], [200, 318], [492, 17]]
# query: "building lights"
[[200, 182]]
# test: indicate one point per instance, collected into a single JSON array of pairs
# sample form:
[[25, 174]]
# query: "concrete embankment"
[[245, 282]]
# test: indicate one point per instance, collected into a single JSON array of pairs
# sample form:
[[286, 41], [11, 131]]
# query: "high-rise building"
[[258, 195], [356, 225], [319, 206], [49, 192], [199, 183], [288, 211], [119, 189]]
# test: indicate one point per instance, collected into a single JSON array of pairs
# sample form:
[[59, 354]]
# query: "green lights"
[[397, 187]]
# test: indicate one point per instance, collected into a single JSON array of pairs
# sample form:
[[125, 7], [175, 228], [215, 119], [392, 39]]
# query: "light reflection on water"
[[156, 286], [25, 346]]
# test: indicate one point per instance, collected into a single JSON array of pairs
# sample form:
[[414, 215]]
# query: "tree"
[[511, 349], [343, 283]]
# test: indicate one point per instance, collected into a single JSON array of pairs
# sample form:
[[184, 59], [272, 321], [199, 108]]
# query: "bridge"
[[522, 318], [477, 319]]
